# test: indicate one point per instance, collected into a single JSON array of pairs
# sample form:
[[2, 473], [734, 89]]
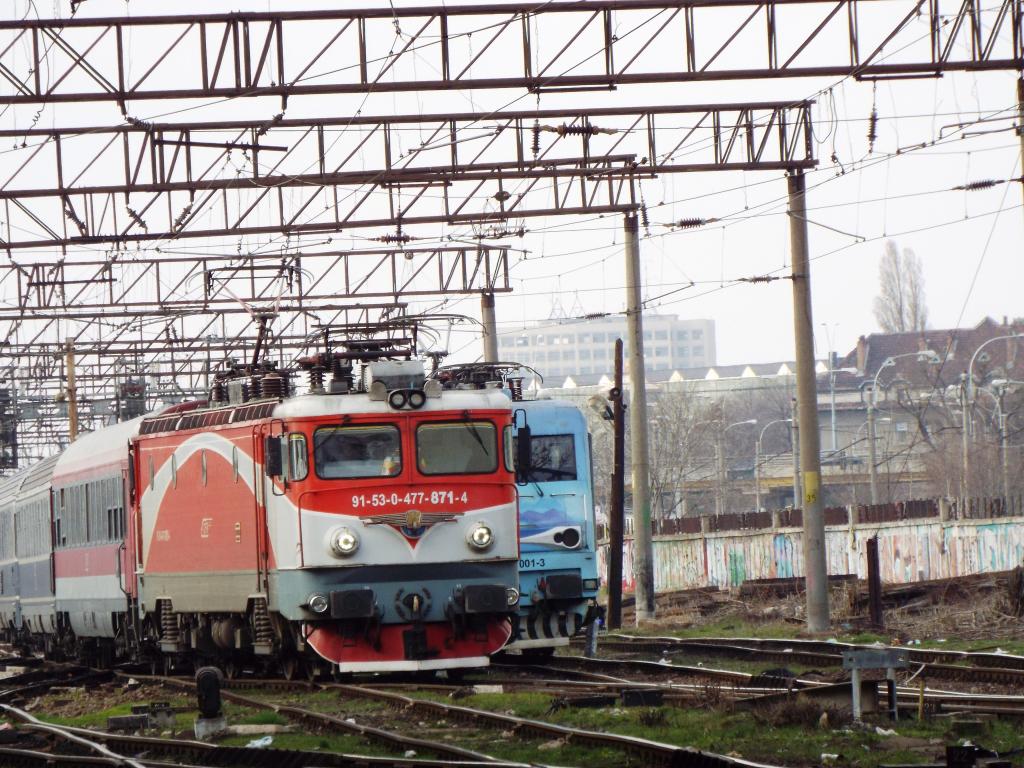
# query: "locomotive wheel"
[[232, 669], [312, 670], [291, 667]]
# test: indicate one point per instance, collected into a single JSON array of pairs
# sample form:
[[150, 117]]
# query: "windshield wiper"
[[476, 435]]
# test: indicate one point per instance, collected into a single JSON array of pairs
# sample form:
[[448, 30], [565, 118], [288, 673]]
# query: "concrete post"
[[719, 476], [944, 510], [643, 558], [815, 566], [872, 461], [794, 439], [490, 327], [757, 475]]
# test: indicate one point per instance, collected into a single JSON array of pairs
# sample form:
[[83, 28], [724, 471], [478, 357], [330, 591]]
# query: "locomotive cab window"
[[457, 448], [510, 450], [372, 450], [298, 458], [552, 458]]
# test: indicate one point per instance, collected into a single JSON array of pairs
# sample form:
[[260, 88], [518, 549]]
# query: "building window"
[[554, 355], [684, 351], [599, 338], [683, 334], [600, 354], [698, 335], [698, 351], [522, 341], [661, 335], [584, 354]]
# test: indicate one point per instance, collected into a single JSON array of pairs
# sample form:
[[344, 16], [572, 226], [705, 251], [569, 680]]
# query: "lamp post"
[[999, 389], [757, 461], [720, 461], [967, 389], [925, 355]]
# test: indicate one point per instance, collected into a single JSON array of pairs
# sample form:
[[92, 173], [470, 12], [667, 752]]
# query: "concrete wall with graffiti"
[[910, 550]]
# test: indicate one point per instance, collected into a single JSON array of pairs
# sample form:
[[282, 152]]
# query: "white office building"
[[571, 347]]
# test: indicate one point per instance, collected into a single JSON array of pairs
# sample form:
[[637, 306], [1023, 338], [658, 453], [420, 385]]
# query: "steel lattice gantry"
[[152, 182], [538, 46], [165, 314], [130, 285]]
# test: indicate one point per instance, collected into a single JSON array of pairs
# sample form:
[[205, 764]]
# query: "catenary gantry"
[[536, 46], [147, 182]]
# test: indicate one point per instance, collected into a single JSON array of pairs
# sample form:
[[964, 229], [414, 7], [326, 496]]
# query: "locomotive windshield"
[[363, 451], [552, 458], [457, 448]]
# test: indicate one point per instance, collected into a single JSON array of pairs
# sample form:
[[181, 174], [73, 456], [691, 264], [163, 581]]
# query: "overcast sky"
[[969, 242]]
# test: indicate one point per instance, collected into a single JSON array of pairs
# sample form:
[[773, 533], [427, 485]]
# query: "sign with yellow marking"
[[812, 483]]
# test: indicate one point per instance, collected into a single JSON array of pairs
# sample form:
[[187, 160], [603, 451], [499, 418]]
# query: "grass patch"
[[788, 735], [316, 742], [260, 717]]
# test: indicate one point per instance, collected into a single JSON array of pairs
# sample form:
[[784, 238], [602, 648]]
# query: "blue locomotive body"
[[558, 578]]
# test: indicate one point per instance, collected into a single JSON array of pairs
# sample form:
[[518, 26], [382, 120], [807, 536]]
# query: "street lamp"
[[1001, 387], [720, 456], [856, 437], [757, 461], [968, 404], [924, 356]]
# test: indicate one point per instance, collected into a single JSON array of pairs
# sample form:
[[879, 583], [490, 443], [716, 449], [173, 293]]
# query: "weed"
[[653, 718], [799, 711]]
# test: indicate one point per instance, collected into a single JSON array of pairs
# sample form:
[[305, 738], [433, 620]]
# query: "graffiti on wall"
[[909, 551]]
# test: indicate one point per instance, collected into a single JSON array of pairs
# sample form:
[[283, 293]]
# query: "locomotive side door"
[[265, 486]]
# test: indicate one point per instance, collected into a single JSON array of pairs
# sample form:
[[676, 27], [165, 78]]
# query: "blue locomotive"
[[558, 579]]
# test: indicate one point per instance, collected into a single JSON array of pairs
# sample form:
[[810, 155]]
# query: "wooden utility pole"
[[616, 511]]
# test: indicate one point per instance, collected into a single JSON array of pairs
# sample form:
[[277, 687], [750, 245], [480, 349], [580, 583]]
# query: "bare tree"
[[900, 305]]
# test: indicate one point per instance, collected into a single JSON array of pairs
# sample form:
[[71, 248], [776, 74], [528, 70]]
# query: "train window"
[[510, 450], [298, 457], [202, 464], [234, 461], [457, 448], [552, 458], [371, 450], [174, 470]]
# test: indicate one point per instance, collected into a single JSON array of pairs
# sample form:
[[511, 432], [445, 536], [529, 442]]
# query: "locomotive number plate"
[[363, 501]]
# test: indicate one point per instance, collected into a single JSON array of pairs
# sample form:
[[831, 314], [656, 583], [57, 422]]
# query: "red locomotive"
[[369, 523]]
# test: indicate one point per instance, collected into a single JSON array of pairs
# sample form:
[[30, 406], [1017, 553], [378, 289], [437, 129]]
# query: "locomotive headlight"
[[480, 537], [318, 603], [512, 596], [344, 542]]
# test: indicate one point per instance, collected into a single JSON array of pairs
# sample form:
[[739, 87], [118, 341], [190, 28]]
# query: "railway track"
[[72, 746], [749, 685], [647, 751], [961, 666]]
